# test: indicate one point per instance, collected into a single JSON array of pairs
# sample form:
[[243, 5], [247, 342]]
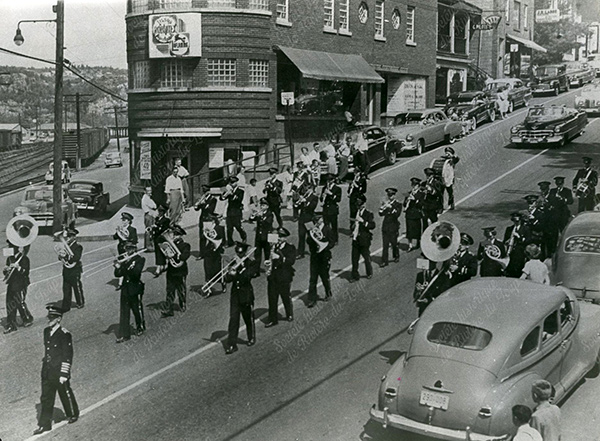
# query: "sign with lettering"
[[175, 35], [287, 98], [547, 15], [145, 160], [487, 23]]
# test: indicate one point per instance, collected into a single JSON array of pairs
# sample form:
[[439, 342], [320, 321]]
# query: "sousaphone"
[[21, 230], [440, 241]]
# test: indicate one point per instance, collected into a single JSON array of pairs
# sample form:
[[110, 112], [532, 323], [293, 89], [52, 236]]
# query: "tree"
[[558, 38]]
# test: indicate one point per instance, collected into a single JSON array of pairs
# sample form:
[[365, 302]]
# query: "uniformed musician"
[[177, 271], [560, 197], [516, 237], [489, 267], [235, 207], [390, 210], [56, 372], [331, 197], [71, 272], [242, 297], [356, 189], [413, 213], [432, 202], [584, 185], [430, 284], [302, 180], [161, 225], [206, 205], [16, 275], [445, 166], [126, 232], [320, 242], [280, 274], [463, 265], [264, 225], [130, 268], [536, 219], [214, 235], [272, 190], [362, 235], [549, 224], [306, 204]]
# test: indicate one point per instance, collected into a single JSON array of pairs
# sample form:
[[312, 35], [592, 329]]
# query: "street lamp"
[[59, 10]]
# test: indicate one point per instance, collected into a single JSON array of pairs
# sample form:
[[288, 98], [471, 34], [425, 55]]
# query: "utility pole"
[[78, 116], [116, 109], [59, 9]]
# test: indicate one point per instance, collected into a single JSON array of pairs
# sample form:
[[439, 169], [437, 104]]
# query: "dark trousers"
[[67, 398], [72, 285], [390, 238], [148, 242], [276, 209], [301, 238], [450, 191], [430, 216], [331, 221], [15, 301], [212, 264], [276, 289], [319, 268], [353, 211], [357, 251], [262, 247], [246, 310], [175, 285], [129, 304], [234, 222], [586, 203]]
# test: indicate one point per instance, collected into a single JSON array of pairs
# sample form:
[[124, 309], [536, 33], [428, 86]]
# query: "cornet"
[[386, 204], [122, 231], [302, 200]]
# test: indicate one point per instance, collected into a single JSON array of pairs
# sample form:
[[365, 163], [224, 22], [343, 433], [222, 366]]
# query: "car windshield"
[[545, 111], [467, 98], [546, 71], [81, 186], [459, 335], [409, 118], [583, 244], [575, 66], [38, 194], [495, 86]]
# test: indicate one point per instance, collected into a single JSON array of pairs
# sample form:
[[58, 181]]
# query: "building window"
[[283, 12], [175, 73], [140, 75], [221, 72], [263, 5], [328, 18], [517, 15], [259, 73], [525, 16], [174, 4], [410, 24], [507, 12], [221, 3], [379, 9], [139, 6], [344, 15]]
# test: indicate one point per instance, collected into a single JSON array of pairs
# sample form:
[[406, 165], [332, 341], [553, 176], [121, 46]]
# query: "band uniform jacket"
[[357, 187], [184, 250], [131, 236], [560, 201], [58, 354], [538, 216], [77, 250], [391, 217], [131, 271], [424, 295], [19, 280], [264, 225], [235, 203], [413, 205], [489, 267], [241, 282], [307, 209], [467, 268], [433, 193], [365, 235], [161, 224], [331, 201], [207, 209], [592, 179], [304, 178], [327, 237], [522, 237], [272, 191], [282, 268]]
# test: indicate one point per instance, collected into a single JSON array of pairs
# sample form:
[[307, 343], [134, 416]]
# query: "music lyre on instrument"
[[21, 231]]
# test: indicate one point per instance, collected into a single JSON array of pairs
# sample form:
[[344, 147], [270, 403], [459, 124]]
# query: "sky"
[[94, 32]]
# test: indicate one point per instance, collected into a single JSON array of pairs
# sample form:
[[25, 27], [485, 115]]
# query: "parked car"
[[550, 78], [594, 62], [380, 148], [549, 125], [589, 101], [89, 195], [577, 258], [417, 130], [476, 351], [37, 202], [579, 73], [112, 158], [65, 175], [518, 93], [473, 106], [322, 103]]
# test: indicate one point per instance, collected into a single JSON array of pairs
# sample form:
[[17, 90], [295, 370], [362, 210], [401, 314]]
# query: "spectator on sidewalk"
[[521, 415], [535, 270], [174, 192], [183, 174], [546, 416], [150, 213]]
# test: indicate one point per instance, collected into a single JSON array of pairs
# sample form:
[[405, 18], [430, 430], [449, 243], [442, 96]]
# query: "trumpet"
[[64, 251], [302, 200], [228, 192], [122, 259], [385, 205], [123, 232], [201, 201], [259, 214]]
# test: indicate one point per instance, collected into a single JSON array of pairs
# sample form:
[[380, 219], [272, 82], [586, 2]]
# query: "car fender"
[[390, 383]]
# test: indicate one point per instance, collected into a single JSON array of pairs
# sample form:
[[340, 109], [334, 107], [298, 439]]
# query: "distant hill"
[[27, 95]]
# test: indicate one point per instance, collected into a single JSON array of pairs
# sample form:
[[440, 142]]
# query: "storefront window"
[[259, 4], [461, 29]]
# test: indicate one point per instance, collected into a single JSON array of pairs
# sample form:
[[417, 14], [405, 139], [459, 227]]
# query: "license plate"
[[533, 140], [433, 399], [82, 205]]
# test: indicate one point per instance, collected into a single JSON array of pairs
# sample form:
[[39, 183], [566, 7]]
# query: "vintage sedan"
[[589, 101], [476, 351], [417, 130], [579, 73], [549, 125], [38, 203], [518, 93], [551, 78], [113, 158], [89, 195], [475, 107]]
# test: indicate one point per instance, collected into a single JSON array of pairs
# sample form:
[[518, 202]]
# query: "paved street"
[[313, 379]]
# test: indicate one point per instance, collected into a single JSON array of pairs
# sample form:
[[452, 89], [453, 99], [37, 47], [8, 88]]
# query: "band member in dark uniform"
[[70, 256], [584, 185], [490, 267], [516, 237], [16, 275], [537, 218], [161, 225], [306, 204], [242, 297], [320, 242], [445, 168], [125, 233], [206, 205], [235, 206], [390, 210], [302, 180], [430, 284], [56, 372], [264, 225], [214, 235], [280, 274], [549, 225], [362, 235], [130, 268], [273, 189], [463, 265], [331, 197], [413, 213], [177, 271], [560, 198], [432, 203], [356, 189]]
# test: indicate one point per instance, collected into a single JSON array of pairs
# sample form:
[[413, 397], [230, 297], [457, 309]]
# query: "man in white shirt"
[[174, 191], [521, 416], [183, 174], [150, 212], [305, 157]]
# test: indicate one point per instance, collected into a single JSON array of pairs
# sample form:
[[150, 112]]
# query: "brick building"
[[206, 76]]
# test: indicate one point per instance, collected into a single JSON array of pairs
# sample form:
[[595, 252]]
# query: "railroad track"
[[18, 170]]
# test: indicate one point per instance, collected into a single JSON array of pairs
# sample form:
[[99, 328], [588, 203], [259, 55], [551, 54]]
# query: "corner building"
[[206, 76]]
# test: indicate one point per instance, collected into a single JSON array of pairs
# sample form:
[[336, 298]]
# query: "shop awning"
[[527, 43], [332, 67], [181, 132]]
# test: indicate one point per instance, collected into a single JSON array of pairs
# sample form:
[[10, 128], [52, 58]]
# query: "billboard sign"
[[175, 35], [547, 16]]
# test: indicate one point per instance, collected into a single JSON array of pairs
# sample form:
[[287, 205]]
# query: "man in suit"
[[331, 197], [306, 208], [206, 205], [130, 269], [490, 267], [214, 236], [356, 189], [273, 189], [56, 372], [516, 237], [235, 207], [588, 179], [264, 225], [463, 266], [320, 242], [242, 298], [362, 235], [280, 276], [390, 210], [126, 232], [72, 269], [560, 198], [177, 271], [432, 203], [16, 274]]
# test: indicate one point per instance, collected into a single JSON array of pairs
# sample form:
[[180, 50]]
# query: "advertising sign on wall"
[[547, 16], [175, 35], [145, 160], [593, 39]]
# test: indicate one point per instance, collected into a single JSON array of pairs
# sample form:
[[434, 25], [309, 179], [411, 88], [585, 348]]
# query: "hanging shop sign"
[[547, 16], [487, 23], [175, 35]]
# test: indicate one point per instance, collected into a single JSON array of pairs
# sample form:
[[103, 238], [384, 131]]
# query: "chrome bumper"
[[534, 140]]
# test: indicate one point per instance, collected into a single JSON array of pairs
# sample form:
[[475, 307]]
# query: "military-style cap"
[[162, 208], [465, 239], [449, 150], [543, 184], [263, 201], [70, 232], [414, 181], [586, 159], [488, 229], [126, 216], [241, 247], [542, 388], [282, 232], [233, 179], [429, 171], [531, 197], [391, 190], [361, 199], [516, 214], [54, 311], [273, 170], [558, 179], [317, 215], [178, 230], [300, 164]]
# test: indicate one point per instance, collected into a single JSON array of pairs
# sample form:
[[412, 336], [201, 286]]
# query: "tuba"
[[317, 235], [170, 250], [63, 250], [21, 231]]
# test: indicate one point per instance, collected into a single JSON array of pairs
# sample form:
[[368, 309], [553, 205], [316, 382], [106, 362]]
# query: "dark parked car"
[[89, 195], [473, 106], [579, 73], [549, 125], [551, 78], [518, 93], [380, 149]]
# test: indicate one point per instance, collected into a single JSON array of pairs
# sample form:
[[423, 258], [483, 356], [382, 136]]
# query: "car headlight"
[[409, 138], [21, 210], [557, 129], [514, 129]]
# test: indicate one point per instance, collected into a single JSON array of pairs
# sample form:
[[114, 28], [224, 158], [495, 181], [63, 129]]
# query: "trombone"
[[122, 259], [233, 265]]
